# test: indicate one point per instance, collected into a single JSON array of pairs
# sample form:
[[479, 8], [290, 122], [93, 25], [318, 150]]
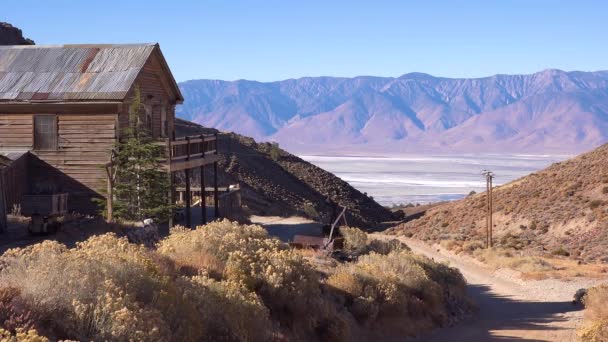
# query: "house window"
[[45, 132]]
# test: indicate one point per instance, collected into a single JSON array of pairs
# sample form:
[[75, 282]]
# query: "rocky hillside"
[[562, 209], [10, 35], [548, 111], [279, 183]]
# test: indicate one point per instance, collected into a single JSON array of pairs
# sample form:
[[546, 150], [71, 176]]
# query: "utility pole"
[[489, 206]]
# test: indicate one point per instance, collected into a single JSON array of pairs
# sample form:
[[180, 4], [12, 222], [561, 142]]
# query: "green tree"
[[140, 185]]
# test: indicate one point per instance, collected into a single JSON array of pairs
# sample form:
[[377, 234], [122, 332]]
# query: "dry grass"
[[220, 282], [538, 267], [357, 242], [595, 328], [386, 291], [563, 208]]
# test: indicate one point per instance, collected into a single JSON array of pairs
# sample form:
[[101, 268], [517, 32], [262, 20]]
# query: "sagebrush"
[[219, 282]]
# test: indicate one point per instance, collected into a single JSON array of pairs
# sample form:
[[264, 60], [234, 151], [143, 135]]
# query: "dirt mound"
[[561, 210], [275, 182]]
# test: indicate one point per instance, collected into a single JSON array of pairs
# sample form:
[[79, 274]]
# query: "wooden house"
[[62, 111]]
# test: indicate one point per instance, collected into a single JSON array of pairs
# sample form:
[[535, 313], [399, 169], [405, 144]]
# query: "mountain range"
[[549, 111]]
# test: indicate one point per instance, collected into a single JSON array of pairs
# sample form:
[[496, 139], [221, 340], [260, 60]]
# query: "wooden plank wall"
[[154, 95], [85, 145], [16, 132]]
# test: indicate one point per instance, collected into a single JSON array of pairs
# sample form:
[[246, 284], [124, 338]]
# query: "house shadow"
[[35, 176], [503, 318]]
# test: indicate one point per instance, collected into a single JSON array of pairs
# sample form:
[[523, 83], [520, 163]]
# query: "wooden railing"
[[192, 151], [196, 146]]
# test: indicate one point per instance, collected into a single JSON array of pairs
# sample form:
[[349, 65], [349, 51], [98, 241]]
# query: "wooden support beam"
[[110, 196], [491, 211], [203, 203], [188, 193], [215, 192]]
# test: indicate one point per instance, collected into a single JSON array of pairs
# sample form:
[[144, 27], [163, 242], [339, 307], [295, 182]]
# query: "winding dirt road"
[[509, 309]]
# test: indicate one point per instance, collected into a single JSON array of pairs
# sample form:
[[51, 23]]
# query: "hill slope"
[[547, 111], [287, 185], [561, 208]]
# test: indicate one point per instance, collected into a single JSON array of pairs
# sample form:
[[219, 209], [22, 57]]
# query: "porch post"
[[171, 197], [215, 190], [110, 196], [188, 194], [171, 193], [202, 182], [203, 202]]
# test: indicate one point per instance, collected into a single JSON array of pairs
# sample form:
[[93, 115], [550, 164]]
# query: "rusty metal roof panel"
[[70, 72]]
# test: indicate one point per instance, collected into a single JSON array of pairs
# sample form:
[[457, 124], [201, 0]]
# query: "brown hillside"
[[286, 185], [562, 209]]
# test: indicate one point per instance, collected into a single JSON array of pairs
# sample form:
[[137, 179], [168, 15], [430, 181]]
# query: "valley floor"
[[510, 309]]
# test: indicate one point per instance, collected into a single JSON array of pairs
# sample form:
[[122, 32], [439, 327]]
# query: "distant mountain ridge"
[[548, 111]]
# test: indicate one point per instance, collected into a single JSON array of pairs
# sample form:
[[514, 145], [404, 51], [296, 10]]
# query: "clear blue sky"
[[270, 40]]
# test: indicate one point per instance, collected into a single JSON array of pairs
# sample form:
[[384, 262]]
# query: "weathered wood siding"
[[85, 145], [16, 132], [85, 142], [156, 97]]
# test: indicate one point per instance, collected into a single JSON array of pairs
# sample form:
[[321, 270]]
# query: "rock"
[[10, 35]]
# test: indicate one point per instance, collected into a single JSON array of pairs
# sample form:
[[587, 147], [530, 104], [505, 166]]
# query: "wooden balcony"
[[192, 151]]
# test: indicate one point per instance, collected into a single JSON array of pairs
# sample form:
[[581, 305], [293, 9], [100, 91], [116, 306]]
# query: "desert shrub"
[[105, 288], [310, 211], [109, 289], [470, 246], [21, 336], [385, 247], [226, 310], [595, 204], [355, 240], [275, 151], [209, 247], [14, 314], [605, 190], [504, 258], [560, 251], [244, 254], [595, 328], [398, 288]]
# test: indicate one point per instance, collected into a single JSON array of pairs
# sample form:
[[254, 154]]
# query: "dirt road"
[[510, 309]]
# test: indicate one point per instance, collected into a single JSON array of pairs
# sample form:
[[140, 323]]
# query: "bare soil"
[[561, 210], [510, 308]]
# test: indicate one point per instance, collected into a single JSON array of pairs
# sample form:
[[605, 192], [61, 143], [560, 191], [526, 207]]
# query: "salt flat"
[[428, 178]]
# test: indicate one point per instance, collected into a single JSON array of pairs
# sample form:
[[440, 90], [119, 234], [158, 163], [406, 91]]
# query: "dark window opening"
[[45, 132]]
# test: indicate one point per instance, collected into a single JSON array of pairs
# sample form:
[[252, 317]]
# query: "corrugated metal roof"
[[70, 72]]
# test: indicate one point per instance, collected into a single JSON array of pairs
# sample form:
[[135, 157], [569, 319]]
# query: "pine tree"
[[140, 186]]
